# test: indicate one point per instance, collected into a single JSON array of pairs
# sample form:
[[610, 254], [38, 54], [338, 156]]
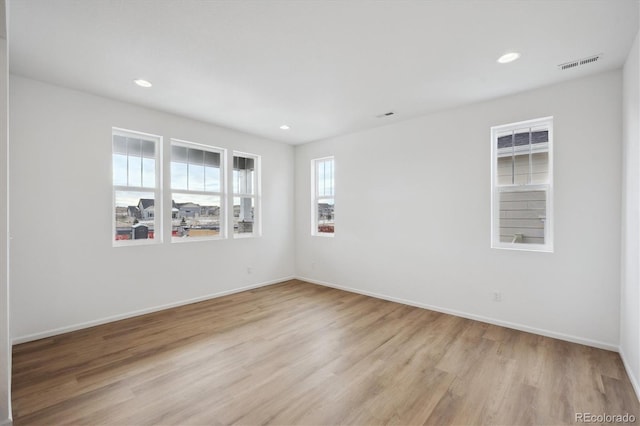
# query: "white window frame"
[[316, 198], [221, 194], [157, 190], [497, 189], [256, 195]]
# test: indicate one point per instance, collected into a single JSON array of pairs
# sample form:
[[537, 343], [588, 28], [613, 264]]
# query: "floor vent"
[[579, 62]]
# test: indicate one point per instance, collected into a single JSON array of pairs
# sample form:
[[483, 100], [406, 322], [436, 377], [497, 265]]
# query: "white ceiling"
[[322, 67]]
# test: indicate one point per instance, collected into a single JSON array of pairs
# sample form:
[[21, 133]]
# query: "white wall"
[[64, 271], [630, 292], [413, 214]]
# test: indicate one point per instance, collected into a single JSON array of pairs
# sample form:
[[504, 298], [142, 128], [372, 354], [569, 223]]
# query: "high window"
[[136, 183], [323, 196], [197, 200], [522, 185], [246, 194]]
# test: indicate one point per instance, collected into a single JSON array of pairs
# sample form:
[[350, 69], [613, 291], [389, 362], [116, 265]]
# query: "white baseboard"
[[87, 324], [507, 324], [632, 378]]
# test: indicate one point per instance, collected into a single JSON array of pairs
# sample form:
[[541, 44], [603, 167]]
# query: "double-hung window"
[[246, 194], [136, 187], [323, 196], [197, 201], [522, 185]]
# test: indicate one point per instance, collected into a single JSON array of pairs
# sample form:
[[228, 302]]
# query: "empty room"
[[316, 212]]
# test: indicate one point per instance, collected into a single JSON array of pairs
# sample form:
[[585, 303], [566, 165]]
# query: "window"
[[522, 185], [136, 183], [246, 194], [197, 196], [323, 193]]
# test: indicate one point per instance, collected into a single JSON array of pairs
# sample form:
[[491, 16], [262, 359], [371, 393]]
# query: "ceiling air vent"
[[579, 62]]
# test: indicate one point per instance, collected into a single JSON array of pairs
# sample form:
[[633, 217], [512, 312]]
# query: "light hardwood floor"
[[297, 353]]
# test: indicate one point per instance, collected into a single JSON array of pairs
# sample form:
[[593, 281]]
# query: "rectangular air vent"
[[579, 62]]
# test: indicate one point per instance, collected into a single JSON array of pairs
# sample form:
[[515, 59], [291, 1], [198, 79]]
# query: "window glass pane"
[[522, 217], [119, 144], [212, 179], [135, 171], [211, 159], [134, 215], [235, 181], [521, 169], [178, 175], [148, 149], [149, 172], [119, 169], [321, 179], [521, 140], [539, 135], [540, 167], [243, 214], [196, 156], [243, 175], [504, 169], [196, 169], [250, 179], [178, 154], [134, 148], [195, 215], [196, 177], [326, 218], [242, 182]]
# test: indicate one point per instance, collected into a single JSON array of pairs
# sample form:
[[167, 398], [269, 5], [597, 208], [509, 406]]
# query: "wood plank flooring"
[[297, 353]]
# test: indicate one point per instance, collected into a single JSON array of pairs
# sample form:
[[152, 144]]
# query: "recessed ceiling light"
[[285, 127], [508, 57], [142, 83]]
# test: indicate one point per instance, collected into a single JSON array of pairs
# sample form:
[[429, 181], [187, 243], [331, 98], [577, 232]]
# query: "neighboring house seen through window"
[[522, 185]]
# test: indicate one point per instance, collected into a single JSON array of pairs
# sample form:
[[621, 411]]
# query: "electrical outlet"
[[313, 265], [249, 269], [497, 296]]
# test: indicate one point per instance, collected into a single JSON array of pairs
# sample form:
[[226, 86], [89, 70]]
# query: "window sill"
[[134, 243], [181, 240], [523, 247], [247, 235]]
